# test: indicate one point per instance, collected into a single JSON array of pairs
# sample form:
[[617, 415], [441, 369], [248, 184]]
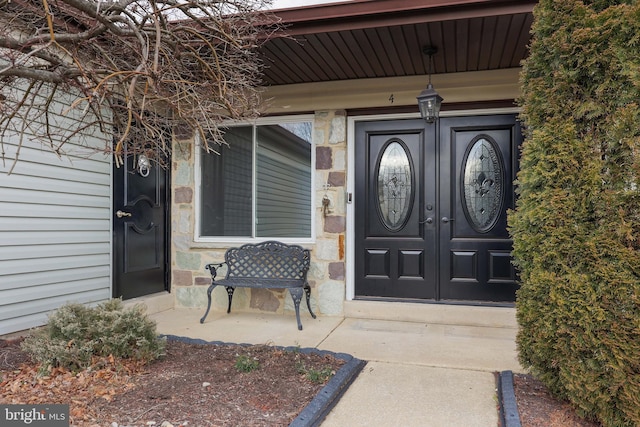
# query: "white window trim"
[[224, 240]]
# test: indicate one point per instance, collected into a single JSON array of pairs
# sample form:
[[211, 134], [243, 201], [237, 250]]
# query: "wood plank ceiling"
[[385, 38]]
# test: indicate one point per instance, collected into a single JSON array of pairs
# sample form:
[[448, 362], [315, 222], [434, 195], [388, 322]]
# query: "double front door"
[[431, 205]]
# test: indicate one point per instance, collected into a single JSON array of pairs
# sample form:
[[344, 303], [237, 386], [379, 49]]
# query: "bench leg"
[[211, 287], [307, 291], [230, 294], [296, 295]]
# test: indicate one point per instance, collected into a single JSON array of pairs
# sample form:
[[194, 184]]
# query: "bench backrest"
[[268, 260]]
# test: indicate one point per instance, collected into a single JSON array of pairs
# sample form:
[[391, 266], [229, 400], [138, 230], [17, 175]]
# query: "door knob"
[[121, 214], [446, 220]]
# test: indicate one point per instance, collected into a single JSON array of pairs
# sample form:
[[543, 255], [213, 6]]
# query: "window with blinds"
[[259, 186]]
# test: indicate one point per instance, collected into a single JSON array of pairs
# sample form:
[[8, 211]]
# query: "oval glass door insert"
[[394, 186], [483, 184]]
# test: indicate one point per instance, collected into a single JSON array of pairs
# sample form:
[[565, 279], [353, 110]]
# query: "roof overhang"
[[360, 14], [377, 46]]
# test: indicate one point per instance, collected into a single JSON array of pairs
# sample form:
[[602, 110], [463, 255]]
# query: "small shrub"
[[75, 333], [316, 376], [246, 363]]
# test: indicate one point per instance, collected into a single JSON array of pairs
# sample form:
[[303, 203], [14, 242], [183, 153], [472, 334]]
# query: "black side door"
[[140, 228]]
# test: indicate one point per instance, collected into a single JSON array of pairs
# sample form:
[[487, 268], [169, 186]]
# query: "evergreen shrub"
[[576, 226], [76, 333]]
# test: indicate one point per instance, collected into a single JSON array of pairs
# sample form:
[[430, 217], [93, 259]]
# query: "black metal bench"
[[271, 264]]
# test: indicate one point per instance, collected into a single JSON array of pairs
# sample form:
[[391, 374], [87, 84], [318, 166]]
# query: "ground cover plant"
[[576, 227]]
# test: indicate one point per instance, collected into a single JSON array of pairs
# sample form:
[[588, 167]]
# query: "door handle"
[[446, 220], [427, 221], [121, 214]]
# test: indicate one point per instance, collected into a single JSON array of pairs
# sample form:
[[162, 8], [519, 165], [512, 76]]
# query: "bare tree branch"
[[136, 67]]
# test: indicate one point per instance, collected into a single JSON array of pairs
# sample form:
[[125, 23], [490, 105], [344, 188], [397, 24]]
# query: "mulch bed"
[[193, 385], [538, 408], [199, 385]]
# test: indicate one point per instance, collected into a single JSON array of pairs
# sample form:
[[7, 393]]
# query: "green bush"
[[246, 363], [75, 333], [576, 227], [316, 376]]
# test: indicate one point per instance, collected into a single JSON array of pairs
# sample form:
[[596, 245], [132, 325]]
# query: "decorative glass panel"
[[394, 186], [483, 185]]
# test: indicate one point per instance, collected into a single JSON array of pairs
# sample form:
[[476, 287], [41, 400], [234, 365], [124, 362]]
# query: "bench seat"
[[268, 265]]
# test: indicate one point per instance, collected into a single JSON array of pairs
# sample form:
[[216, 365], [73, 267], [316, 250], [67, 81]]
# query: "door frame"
[[350, 225]]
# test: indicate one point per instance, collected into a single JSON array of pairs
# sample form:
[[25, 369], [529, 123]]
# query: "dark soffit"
[[384, 38]]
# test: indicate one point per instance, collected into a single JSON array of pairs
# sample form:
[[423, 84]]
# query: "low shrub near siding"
[[75, 333]]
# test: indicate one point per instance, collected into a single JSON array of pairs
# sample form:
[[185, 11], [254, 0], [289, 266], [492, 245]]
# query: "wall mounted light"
[[429, 101]]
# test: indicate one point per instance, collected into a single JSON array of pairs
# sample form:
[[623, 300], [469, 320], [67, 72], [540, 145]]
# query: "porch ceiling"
[[384, 38]]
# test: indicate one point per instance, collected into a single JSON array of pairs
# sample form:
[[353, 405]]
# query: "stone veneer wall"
[[189, 279]]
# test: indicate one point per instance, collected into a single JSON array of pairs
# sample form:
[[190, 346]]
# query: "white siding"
[[55, 223]]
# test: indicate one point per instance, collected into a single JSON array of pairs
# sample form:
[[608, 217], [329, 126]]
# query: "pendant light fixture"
[[429, 101]]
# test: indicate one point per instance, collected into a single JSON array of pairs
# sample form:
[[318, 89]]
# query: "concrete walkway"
[[428, 365]]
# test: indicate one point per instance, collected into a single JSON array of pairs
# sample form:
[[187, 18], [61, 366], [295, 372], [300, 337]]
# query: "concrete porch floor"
[[428, 365]]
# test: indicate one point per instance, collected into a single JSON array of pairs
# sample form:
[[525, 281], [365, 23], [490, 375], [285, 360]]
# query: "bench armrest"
[[213, 269]]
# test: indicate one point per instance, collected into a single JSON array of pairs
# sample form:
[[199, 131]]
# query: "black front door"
[[431, 204], [140, 226]]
